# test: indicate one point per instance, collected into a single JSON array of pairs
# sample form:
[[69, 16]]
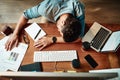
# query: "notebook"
[[35, 31], [102, 39]]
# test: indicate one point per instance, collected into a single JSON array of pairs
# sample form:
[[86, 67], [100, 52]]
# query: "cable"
[[55, 66]]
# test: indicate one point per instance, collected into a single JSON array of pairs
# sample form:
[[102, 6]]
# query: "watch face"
[[54, 39]]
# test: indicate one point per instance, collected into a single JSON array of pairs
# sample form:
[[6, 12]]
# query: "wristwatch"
[[54, 39]]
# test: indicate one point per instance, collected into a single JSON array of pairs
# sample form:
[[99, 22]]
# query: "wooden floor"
[[102, 11]]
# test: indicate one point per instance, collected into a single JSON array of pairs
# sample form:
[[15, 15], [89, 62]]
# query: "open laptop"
[[102, 39]]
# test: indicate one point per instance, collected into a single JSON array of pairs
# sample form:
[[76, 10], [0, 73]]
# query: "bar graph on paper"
[[13, 56]]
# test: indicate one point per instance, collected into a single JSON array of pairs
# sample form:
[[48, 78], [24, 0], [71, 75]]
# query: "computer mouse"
[[86, 45], [75, 63]]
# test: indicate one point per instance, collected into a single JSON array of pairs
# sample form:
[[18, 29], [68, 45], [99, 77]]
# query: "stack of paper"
[[11, 60]]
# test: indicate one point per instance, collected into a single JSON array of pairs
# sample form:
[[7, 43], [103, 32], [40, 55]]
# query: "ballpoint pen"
[[37, 34]]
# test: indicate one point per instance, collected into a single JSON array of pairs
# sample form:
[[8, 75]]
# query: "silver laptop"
[[102, 39]]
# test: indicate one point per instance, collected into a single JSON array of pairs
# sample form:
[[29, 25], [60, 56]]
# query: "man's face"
[[60, 26], [61, 23]]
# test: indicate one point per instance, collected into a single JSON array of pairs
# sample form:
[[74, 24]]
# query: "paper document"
[[11, 60], [35, 31], [113, 42]]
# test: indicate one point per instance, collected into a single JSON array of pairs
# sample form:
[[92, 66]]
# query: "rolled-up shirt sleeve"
[[80, 13], [32, 12]]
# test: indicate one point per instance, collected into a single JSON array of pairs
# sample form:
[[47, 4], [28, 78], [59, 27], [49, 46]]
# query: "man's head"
[[69, 27]]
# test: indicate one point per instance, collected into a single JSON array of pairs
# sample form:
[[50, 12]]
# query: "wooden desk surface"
[[105, 60]]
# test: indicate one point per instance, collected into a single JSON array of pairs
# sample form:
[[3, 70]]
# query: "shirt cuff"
[[25, 15]]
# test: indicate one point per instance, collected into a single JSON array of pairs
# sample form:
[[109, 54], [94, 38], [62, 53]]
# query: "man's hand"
[[43, 42], [12, 42]]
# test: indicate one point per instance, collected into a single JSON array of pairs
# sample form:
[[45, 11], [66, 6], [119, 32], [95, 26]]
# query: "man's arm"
[[22, 21], [48, 40], [14, 38], [60, 40]]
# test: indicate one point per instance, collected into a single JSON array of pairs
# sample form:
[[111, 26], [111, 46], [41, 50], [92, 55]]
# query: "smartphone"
[[91, 61]]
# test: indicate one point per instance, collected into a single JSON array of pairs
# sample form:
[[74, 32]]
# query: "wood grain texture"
[[105, 60]]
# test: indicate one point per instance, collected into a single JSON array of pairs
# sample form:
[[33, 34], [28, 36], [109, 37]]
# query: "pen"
[[37, 34]]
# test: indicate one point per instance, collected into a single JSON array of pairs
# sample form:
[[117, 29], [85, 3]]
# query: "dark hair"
[[71, 30]]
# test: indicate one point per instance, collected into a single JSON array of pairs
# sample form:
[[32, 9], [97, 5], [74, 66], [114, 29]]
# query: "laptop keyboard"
[[99, 38]]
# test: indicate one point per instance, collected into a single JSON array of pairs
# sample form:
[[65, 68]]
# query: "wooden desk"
[[105, 61]]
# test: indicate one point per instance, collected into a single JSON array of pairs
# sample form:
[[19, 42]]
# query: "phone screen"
[[91, 61]]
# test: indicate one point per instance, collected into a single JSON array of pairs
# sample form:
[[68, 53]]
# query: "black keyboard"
[[99, 38]]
